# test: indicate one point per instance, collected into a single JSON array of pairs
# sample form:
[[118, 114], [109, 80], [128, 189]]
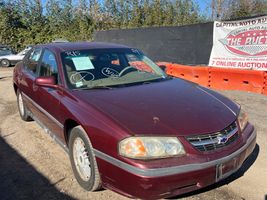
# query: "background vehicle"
[[5, 50], [126, 125], [12, 59]]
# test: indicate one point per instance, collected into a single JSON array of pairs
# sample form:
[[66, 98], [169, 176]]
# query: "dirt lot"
[[32, 166]]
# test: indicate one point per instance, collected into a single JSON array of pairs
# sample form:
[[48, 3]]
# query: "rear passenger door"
[[27, 77], [49, 98]]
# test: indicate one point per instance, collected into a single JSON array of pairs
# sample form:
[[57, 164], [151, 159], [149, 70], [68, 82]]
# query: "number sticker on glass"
[[82, 63]]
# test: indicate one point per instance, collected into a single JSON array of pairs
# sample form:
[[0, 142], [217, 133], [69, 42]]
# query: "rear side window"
[[32, 62]]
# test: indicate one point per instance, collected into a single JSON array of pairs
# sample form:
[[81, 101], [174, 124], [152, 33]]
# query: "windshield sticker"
[[72, 53], [82, 63], [79, 84], [81, 76], [109, 72]]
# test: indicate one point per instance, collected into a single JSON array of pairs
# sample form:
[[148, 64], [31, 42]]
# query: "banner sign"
[[240, 44]]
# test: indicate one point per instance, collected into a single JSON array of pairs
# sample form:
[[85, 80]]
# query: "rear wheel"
[[5, 63], [23, 111], [83, 160]]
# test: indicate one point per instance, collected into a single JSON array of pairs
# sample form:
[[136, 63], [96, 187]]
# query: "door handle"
[[35, 87]]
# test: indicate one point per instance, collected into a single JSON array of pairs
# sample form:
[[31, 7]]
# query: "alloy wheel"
[[81, 159]]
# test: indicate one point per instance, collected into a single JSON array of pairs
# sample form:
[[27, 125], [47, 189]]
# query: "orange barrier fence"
[[221, 78], [237, 79], [198, 75]]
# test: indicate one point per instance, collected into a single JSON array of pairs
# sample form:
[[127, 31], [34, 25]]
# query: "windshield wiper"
[[100, 87], [154, 80], [94, 87]]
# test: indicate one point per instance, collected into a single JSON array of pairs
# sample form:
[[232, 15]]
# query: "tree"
[[135, 14], [236, 9], [10, 26], [25, 22]]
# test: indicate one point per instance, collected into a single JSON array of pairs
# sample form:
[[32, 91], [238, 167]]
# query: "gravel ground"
[[32, 166]]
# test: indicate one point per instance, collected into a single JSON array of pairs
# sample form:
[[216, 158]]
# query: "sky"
[[203, 4]]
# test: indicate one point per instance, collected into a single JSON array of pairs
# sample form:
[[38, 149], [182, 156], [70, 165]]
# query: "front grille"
[[214, 141]]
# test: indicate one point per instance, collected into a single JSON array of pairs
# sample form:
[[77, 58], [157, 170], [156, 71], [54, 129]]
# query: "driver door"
[[49, 98]]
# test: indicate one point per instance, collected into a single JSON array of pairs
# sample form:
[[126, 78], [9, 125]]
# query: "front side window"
[[31, 62], [48, 64], [108, 68]]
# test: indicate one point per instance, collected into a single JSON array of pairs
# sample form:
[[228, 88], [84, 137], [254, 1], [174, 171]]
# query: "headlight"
[[242, 119], [150, 147]]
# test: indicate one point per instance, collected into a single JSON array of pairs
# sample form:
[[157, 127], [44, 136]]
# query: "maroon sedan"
[[126, 125]]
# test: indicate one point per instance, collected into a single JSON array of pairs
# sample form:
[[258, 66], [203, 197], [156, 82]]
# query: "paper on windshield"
[[82, 63]]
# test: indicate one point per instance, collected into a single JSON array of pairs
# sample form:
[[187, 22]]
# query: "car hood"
[[171, 107]]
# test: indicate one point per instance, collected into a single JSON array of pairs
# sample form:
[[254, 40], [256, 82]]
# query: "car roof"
[[68, 46]]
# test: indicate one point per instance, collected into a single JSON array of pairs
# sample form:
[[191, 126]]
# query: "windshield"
[[108, 68]]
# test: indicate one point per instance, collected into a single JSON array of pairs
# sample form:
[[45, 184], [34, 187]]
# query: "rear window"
[[5, 51]]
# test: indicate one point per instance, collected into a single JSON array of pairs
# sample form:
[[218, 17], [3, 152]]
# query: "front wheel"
[[83, 160], [5, 63]]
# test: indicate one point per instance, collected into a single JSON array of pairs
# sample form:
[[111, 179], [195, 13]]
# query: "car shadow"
[[20, 180], [246, 165]]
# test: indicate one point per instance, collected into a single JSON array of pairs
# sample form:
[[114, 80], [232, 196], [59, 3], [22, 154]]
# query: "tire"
[[5, 63], [83, 160], [23, 110]]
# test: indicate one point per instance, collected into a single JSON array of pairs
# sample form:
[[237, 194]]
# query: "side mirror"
[[163, 67], [46, 81]]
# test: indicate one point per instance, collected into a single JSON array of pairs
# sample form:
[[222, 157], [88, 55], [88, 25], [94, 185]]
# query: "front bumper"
[[14, 62], [170, 181]]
